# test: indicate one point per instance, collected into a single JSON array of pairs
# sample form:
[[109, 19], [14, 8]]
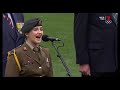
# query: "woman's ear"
[[26, 34]]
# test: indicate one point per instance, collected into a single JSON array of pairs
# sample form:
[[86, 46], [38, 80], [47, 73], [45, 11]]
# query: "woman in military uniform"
[[30, 59]]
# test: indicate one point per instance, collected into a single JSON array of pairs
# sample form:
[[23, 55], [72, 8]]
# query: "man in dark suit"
[[11, 37], [95, 38]]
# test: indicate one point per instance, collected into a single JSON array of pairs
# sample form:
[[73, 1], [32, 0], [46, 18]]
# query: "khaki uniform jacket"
[[31, 64]]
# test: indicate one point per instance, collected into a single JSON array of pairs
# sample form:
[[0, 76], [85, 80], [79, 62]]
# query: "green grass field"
[[59, 25]]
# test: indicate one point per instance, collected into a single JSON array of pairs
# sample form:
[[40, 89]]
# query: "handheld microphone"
[[48, 38]]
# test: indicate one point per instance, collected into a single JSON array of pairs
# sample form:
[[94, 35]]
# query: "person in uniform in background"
[[30, 59], [95, 38], [11, 36]]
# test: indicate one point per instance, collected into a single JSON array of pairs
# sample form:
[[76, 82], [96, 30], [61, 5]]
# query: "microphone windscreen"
[[44, 38]]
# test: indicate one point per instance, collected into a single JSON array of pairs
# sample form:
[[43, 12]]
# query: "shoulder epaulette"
[[10, 53], [13, 52]]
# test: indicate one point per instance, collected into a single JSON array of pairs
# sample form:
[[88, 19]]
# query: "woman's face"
[[35, 35]]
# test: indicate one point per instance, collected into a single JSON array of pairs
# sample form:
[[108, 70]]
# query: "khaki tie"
[[37, 51], [38, 54]]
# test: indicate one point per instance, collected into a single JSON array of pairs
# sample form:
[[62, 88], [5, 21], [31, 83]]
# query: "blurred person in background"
[[11, 36]]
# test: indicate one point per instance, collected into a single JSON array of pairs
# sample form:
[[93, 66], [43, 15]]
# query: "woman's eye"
[[35, 29]]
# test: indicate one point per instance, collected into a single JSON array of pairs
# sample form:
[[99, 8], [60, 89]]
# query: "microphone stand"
[[60, 57]]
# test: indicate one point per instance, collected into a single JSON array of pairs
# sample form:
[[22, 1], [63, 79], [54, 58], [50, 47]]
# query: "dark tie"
[[115, 16]]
